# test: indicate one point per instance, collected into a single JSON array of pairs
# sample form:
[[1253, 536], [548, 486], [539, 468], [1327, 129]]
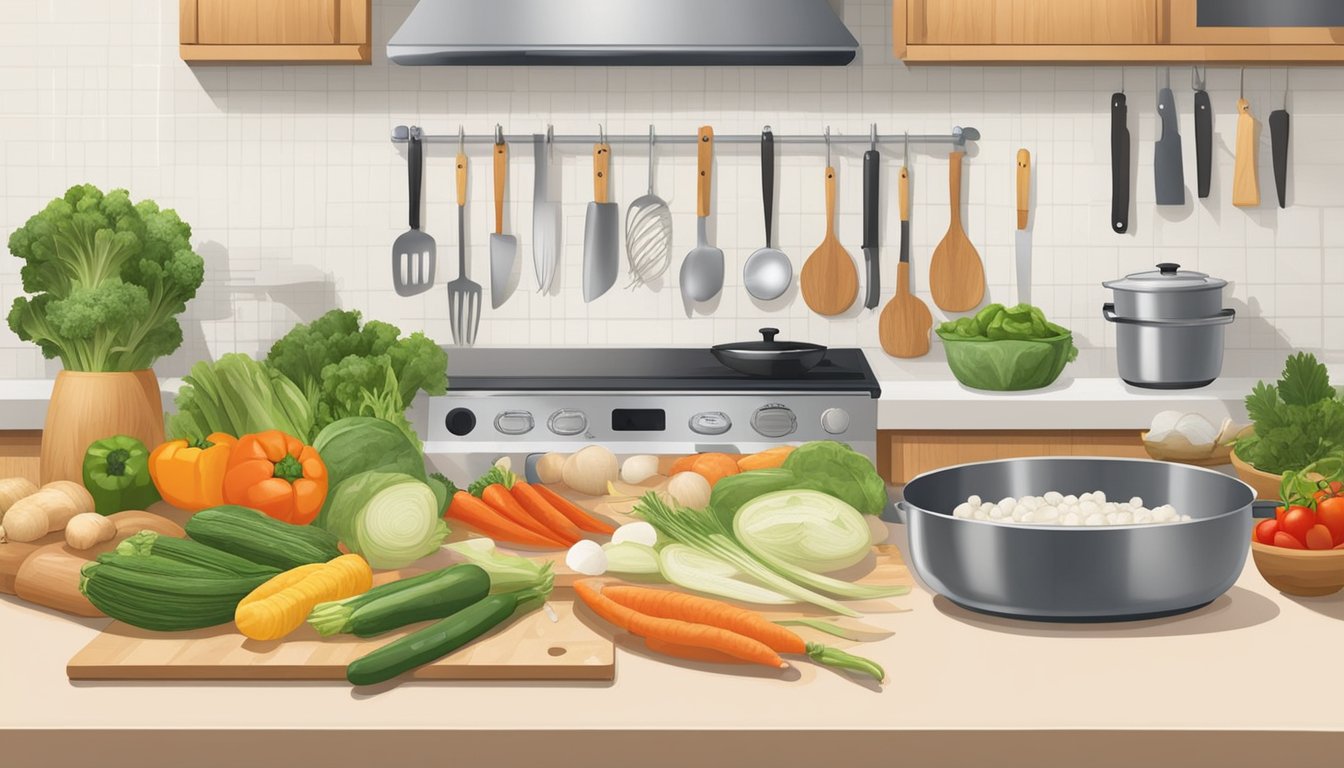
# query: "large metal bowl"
[[1053, 573]]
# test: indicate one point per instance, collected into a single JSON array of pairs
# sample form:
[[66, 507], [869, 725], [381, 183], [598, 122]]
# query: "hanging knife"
[[1278, 140], [1119, 164], [1168, 173], [1023, 235], [1203, 134], [871, 170]]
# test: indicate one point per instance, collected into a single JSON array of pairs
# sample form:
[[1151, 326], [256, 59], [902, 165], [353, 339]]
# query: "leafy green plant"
[[237, 395], [107, 279], [1298, 421], [346, 369]]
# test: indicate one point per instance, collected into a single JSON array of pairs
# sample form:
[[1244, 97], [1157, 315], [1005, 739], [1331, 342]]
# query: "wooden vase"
[[86, 407]]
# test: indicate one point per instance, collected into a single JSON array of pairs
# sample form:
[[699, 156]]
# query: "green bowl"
[[1008, 365]]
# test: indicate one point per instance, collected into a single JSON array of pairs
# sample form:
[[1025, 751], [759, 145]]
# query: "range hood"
[[622, 33]]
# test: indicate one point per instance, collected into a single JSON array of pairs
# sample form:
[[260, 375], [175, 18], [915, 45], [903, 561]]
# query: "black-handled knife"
[[1168, 170], [1278, 140], [871, 170], [1119, 164], [1204, 140]]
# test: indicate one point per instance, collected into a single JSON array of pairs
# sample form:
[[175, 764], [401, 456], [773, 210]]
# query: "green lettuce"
[[1298, 421]]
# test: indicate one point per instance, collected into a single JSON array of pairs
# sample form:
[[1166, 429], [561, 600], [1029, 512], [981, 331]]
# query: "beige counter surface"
[[960, 686]]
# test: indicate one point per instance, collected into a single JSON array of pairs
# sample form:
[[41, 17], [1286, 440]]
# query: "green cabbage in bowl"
[[1007, 349]]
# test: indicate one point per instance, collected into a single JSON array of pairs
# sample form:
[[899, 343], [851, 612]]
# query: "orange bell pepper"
[[190, 474], [276, 474]]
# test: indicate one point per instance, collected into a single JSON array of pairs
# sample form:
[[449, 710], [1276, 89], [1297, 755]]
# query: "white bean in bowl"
[[1053, 508]]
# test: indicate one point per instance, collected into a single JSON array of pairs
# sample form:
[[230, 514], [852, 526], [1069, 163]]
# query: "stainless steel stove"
[[522, 403]]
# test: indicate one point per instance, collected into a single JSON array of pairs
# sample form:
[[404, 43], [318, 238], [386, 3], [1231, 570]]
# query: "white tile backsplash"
[[295, 193]]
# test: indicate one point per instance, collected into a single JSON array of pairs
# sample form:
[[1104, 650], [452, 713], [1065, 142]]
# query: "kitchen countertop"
[[922, 395], [962, 689]]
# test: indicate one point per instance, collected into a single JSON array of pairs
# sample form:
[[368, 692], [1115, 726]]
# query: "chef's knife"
[[1119, 164], [871, 170], [1278, 139], [1023, 234], [1168, 173], [1203, 137]]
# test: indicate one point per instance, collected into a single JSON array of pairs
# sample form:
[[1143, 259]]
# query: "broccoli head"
[[108, 278]]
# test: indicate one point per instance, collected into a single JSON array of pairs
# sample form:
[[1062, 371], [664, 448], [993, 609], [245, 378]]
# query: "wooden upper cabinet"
[[276, 31], [1089, 31]]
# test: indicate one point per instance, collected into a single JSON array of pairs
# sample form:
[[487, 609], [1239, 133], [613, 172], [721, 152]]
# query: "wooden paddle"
[[956, 274], [1245, 180], [830, 281], [905, 321]]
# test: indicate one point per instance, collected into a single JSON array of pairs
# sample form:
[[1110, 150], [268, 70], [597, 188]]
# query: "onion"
[[639, 533], [637, 469], [689, 490], [629, 557], [587, 557], [589, 470], [550, 468]]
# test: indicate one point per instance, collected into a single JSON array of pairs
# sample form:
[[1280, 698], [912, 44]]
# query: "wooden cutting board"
[[532, 648]]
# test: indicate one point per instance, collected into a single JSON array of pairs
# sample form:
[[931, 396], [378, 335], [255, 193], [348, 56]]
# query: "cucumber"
[[382, 609], [191, 552], [154, 592], [253, 536]]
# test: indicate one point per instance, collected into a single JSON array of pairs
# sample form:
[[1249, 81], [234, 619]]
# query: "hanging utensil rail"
[[958, 137]]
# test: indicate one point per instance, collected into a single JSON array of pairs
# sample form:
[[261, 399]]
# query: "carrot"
[[689, 652], [572, 511], [682, 633], [497, 496], [683, 464], [470, 510], [667, 604], [714, 466], [772, 458], [545, 513]]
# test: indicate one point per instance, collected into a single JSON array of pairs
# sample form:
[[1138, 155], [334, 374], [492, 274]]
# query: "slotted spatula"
[[464, 295], [414, 254]]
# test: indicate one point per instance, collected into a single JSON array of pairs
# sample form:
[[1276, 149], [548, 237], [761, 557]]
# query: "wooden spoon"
[[956, 274], [830, 281], [906, 320]]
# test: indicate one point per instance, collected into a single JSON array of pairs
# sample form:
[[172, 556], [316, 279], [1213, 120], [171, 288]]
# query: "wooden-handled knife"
[[1023, 234]]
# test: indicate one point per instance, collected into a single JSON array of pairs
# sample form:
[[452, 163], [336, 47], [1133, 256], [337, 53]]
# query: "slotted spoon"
[[414, 254], [464, 295], [648, 233]]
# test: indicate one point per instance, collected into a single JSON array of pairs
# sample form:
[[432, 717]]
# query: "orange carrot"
[[471, 511], [544, 512], [683, 464], [714, 466], [572, 511], [667, 604], [677, 632], [497, 496], [767, 459], [689, 652]]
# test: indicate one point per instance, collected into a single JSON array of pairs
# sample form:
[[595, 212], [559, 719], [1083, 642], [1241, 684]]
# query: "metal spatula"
[[414, 254], [464, 295]]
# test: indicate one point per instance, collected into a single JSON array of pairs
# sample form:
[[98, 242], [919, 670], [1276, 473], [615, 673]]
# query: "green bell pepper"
[[116, 475]]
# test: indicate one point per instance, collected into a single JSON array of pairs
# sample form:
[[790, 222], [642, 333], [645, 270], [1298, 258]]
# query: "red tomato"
[[1297, 522], [1265, 530], [1286, 541], [1330, 513], [1319, 537], [1335, 487]]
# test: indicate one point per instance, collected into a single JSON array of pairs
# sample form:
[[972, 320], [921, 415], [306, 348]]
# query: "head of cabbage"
[[804, 528], [390, 518]]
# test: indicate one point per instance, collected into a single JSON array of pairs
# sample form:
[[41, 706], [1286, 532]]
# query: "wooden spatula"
[[1245, 179], [956, 274], [830, 281], [905, 321]]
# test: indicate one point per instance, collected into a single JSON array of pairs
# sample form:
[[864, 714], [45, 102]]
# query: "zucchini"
[[428, 596], [155, 592], [191, 552], [443, 637], [253, 536]]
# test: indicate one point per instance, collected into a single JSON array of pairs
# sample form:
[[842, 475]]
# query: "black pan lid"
[[768, 344]]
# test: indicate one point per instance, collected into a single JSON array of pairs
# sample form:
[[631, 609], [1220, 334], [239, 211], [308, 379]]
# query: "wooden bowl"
[[1266, 485], [1300, 571]]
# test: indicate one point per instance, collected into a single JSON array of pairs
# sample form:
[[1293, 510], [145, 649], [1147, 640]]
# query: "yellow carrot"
[[280, 606]]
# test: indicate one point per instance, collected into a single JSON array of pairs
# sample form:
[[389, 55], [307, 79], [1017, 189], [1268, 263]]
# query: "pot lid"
[[1167, 277], [769, 344]]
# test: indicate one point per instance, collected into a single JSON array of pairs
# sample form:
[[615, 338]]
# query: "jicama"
[[279, 606]]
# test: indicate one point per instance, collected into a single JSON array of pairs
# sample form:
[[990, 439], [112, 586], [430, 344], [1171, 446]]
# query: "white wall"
[[295, 193]]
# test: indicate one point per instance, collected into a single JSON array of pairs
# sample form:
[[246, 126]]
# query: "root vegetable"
[[12, 489], [589, 470], [48, 510], [637, 469], [550, 468], [640, 533], [689, 490], [87, 529], [50, 576], [587, 557]]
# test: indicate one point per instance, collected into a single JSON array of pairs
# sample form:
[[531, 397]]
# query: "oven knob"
[[567, 422], [460, 422], [714, 423], [774, 421], [835, 421], [514, 422]]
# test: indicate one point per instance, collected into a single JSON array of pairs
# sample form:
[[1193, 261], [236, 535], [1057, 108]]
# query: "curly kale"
[[346, 369], [107, 280]]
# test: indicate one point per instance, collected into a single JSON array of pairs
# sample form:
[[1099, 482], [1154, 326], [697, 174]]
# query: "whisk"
[[648, 232]]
